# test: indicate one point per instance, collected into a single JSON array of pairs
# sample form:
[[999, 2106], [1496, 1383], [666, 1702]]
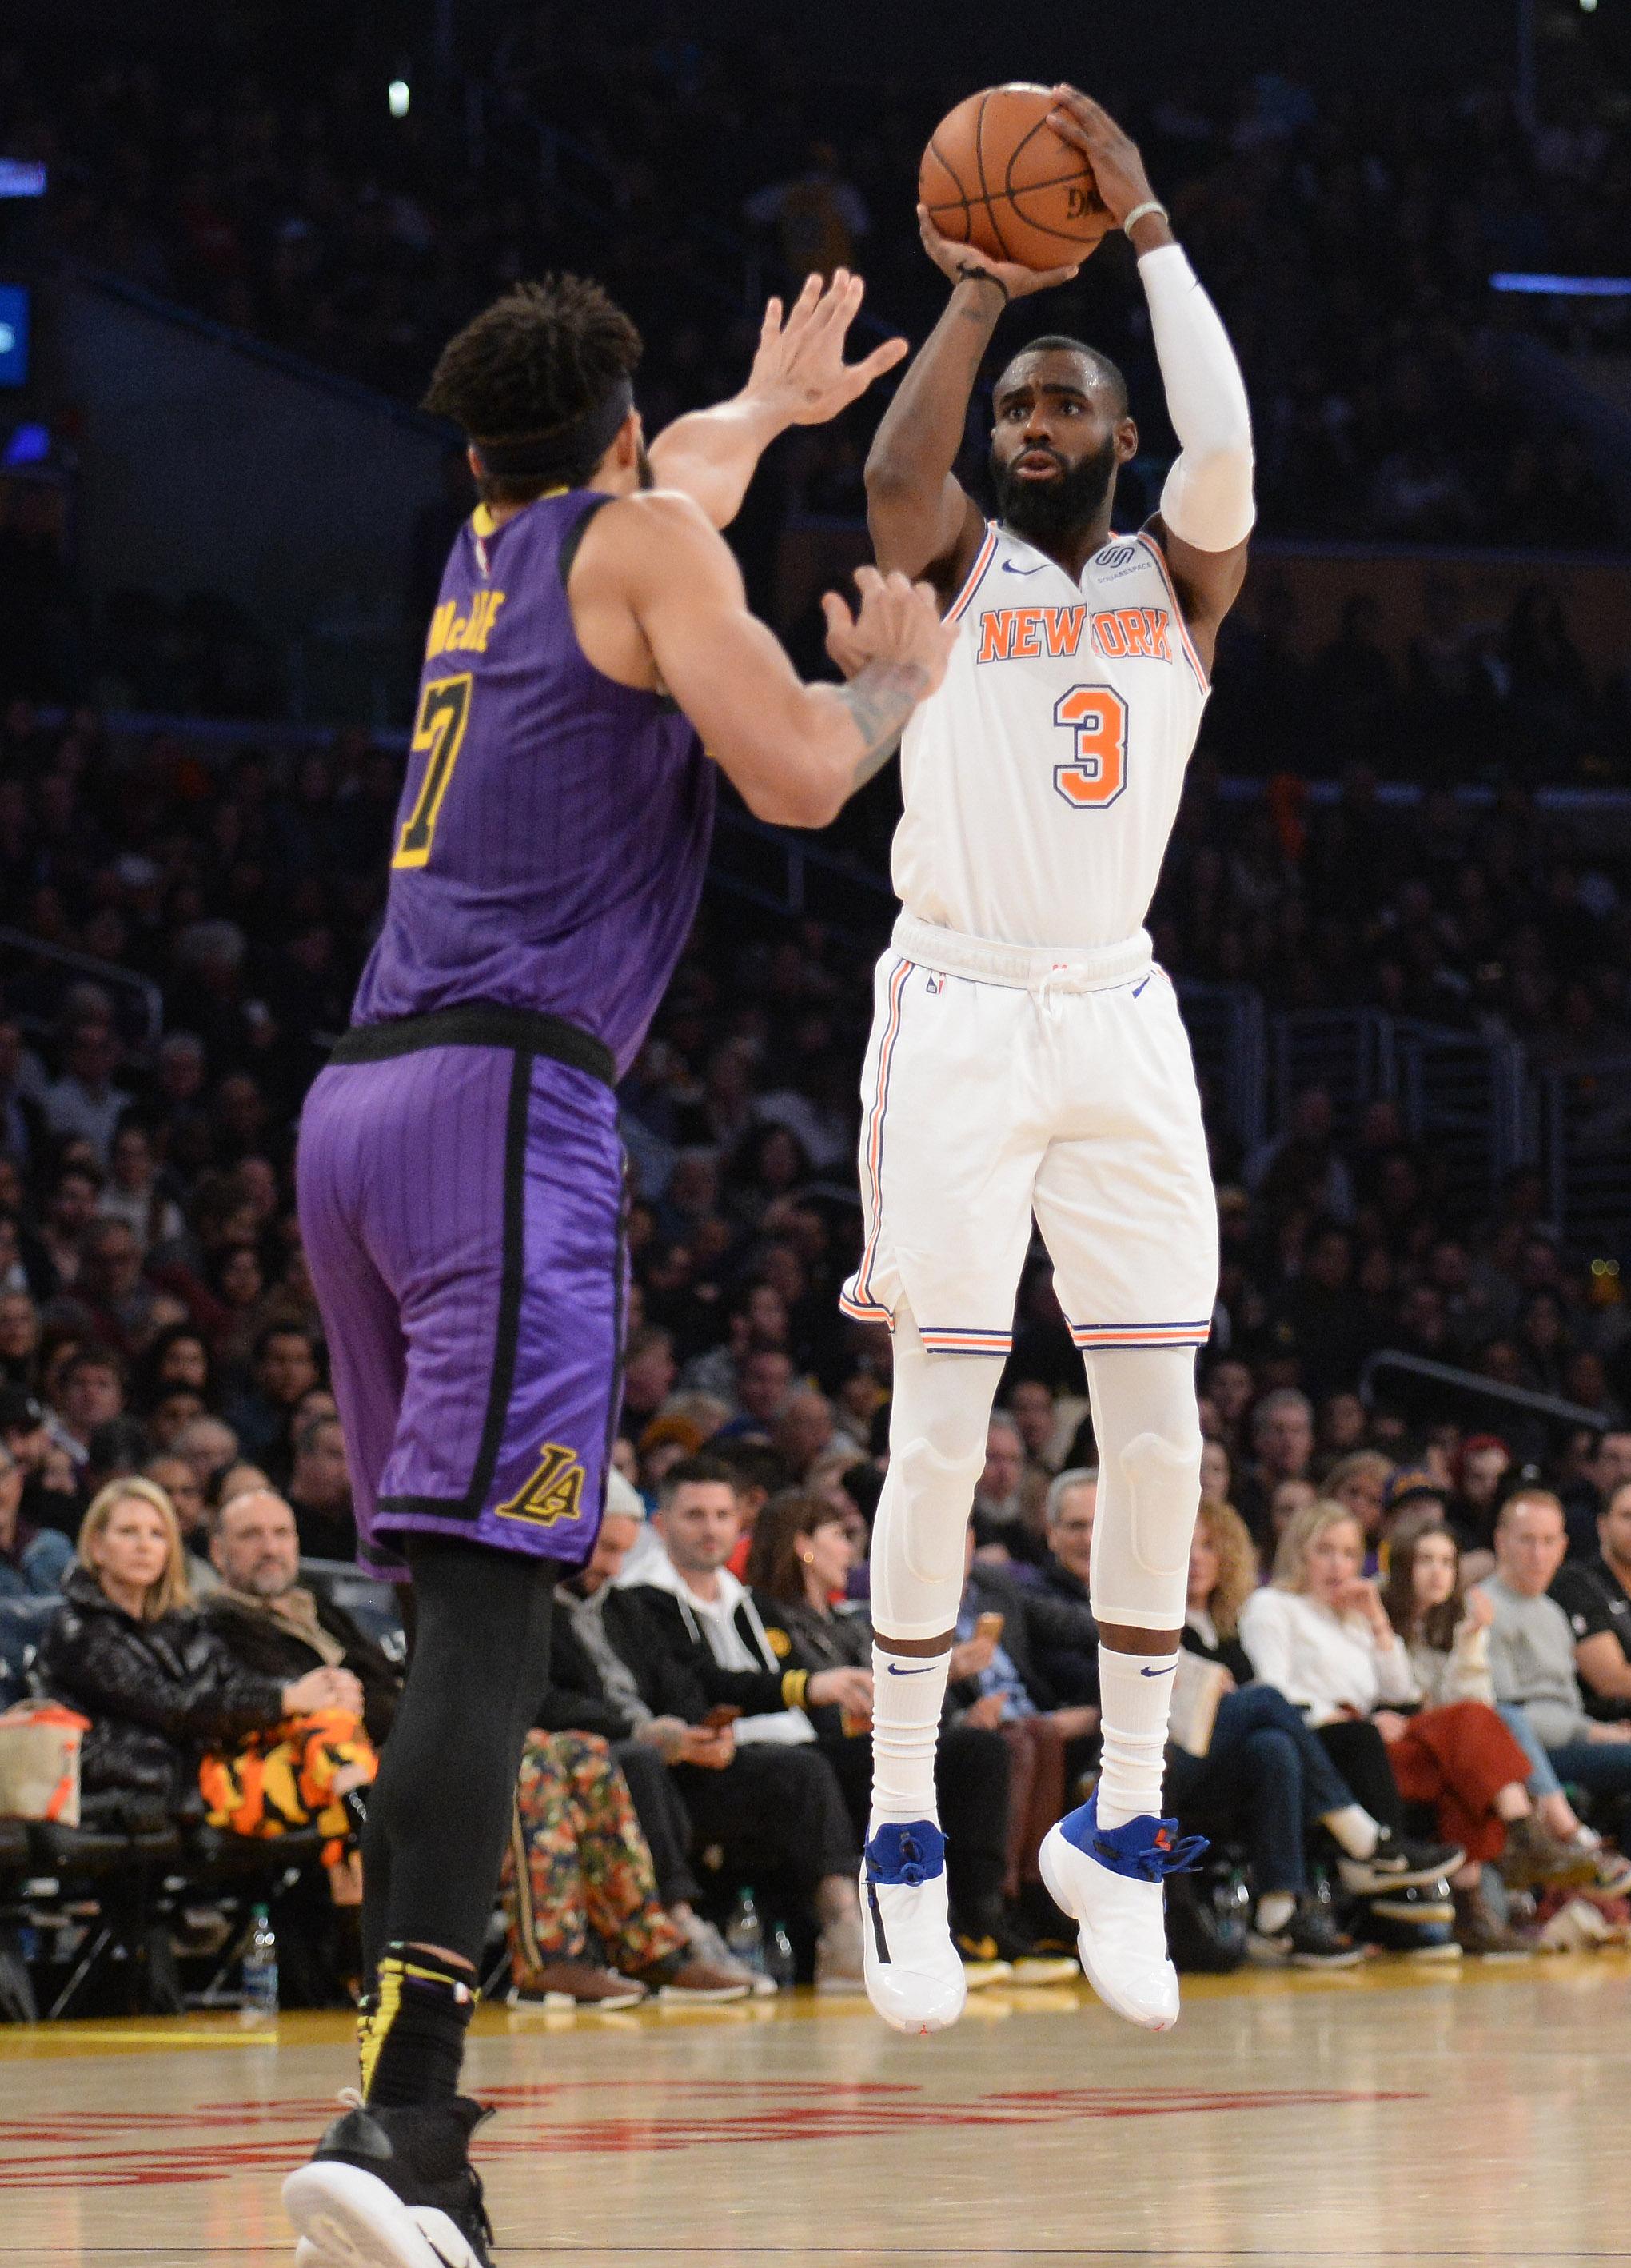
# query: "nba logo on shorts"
[[936, 982]]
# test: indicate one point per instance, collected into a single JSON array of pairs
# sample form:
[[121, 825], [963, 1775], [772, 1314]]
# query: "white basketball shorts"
[[1002, 1081]]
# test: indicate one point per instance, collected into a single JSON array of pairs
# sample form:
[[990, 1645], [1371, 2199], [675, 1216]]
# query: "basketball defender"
[[1028, 1057], [461, 1177]]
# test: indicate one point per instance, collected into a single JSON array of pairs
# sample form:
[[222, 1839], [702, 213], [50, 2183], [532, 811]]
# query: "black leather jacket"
[[158, 1694]]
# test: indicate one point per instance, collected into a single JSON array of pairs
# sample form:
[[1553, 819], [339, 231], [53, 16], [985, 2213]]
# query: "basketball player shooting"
[[460, 1176], [1027, 1056]]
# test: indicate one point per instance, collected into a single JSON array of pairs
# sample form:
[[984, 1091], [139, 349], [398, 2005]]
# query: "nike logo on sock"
[[896, 1671], [1167, 1672]]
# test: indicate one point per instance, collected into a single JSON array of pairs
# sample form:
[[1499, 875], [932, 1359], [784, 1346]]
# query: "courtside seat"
[[85, 1853], [212, 1855]]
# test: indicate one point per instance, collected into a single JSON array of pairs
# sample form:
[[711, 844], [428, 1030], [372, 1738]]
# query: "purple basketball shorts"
[[461, 1202]]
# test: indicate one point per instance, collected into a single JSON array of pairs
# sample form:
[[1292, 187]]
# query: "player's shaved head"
[[1100, 373]]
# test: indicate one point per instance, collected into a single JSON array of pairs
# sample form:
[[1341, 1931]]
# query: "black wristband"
[[969, 274]]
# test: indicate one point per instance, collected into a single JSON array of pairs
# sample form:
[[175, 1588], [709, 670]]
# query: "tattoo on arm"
[[879, 701]]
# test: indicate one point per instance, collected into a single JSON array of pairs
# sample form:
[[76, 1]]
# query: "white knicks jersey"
[[1042, 779]]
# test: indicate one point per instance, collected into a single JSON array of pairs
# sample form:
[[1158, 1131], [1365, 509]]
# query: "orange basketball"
[[995, 175]]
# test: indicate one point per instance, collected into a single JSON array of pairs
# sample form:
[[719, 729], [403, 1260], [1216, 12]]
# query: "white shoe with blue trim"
[[1109, 1881], [914, 1973]]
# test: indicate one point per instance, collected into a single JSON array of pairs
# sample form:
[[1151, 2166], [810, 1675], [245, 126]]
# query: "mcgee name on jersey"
[[1029, 633]]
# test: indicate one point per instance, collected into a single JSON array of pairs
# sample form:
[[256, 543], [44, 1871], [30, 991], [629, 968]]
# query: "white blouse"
[[1329, 1664], [1463, 1673]]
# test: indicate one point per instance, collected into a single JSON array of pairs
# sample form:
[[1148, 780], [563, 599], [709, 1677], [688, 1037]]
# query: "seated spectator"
[[1596, 1595], [1008, 1498], [1216, 1470], [1321, 1635], [807, 1430], [285, 1368], [1032, 1407], [1264, 1781], [1286, 1500], [180, 1484], [135, 1191], [799, 1564], [653, 1662], [1000, 1682], [33, 1560], [586, 1927], [1283, 1437], [209, 1445], [51, 1497], [1446, 1633], [1531, 1652], [271, 1624], [88, 1389], [178, 1357], [1481, 1466], [1359, 1483], [319, 1491], [1068, 1511], [169, 1707], [85, 1101]]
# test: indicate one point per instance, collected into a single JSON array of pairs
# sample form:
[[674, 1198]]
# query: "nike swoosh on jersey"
[[1009, 568]]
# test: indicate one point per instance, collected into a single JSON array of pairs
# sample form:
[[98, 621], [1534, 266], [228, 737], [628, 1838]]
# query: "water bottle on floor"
[[745, 1934], [780, 1966], [259, 2005]]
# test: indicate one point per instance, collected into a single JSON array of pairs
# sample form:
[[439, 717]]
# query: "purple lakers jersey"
[[553, 827]]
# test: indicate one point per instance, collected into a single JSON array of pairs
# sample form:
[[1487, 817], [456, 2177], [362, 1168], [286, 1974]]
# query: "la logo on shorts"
[[555, 1492]]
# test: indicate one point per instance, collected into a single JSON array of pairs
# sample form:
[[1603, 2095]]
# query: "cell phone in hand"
[[723, 1713], [989, 1626]]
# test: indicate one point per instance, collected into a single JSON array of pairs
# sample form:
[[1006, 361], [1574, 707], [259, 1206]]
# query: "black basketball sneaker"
[[392, 2189]]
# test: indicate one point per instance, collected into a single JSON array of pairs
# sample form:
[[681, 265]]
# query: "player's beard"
[[1045, 511]]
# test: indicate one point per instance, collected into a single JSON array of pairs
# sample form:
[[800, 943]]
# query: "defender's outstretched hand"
[[896, 621], [958, 261], [799, 372]]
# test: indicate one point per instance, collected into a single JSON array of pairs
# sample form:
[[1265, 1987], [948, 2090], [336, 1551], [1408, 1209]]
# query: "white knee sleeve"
[[1149, 1439], [937, 1425]]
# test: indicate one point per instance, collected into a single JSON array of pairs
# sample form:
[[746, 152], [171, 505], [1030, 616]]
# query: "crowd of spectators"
[[1350, 235], [156, 1322]]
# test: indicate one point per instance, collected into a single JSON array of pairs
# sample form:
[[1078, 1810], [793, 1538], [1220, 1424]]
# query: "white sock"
[[1135, 1697], [908, 1693], [1354, 1828], [1274, 1911]]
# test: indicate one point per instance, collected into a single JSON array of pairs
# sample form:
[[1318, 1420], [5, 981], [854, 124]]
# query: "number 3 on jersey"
[[1096, 773], [438, 729]]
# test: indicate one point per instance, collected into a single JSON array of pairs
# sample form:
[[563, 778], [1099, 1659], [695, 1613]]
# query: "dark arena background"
[[1397, 911]]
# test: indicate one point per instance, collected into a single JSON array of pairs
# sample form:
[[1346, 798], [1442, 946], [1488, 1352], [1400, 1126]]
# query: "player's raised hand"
[[1111, 151], [960, 260], [799, 370], [896, 621]]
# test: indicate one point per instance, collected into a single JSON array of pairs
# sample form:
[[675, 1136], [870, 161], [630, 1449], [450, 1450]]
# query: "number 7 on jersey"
[[438, 730], [1095, 717]]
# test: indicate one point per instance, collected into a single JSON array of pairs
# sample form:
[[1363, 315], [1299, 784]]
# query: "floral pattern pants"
[[578, 1869]]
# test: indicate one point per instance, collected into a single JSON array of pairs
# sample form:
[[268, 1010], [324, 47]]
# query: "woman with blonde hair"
[[1322, 1635], [1264, 1780], [166, 1699]]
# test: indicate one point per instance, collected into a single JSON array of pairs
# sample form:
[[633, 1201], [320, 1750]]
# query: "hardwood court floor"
[[1393, 2115]]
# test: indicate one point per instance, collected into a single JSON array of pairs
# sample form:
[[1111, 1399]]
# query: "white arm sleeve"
[[1208, 497]]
